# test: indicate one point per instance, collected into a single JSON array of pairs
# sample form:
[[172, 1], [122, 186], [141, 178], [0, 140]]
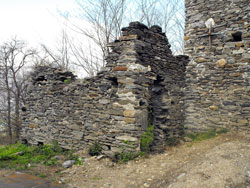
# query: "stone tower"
[[218, 74]]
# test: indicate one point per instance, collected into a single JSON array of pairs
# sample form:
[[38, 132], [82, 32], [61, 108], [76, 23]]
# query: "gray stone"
[[126, 138], [68, 164]]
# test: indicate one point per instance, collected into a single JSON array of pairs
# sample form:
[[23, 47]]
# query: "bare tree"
[[61, 55], [86, 57], [13, 57], [170, 15], [6, 86], [102, 21], [148, 12], [102, 24]]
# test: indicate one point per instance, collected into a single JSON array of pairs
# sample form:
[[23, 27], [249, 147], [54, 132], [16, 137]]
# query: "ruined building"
[[143, 84]]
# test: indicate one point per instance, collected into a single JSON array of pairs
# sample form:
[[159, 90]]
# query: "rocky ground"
[[221, 162]]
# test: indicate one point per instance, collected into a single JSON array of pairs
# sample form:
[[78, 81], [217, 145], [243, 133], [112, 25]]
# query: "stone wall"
[[141, 79], [217, 77]]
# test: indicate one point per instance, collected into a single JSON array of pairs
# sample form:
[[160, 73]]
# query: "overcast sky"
[[35, 21]]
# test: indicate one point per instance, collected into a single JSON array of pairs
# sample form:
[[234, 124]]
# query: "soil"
[[12, 179], [220, 162]]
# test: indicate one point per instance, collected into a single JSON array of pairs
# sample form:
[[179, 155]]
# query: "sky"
[[35, 21]]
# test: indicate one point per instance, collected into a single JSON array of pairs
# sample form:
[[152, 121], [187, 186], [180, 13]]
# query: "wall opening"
[[40, 79], [24, 141], [24, 109], [114, 81], [40, 143], [237, 36]]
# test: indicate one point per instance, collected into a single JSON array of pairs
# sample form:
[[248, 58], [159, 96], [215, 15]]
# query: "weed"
[[126, 156], [51, 162], [95, 149], [147, 139], [42, 175], [150, 116], [182, 129], [126, 142], [71, 156]]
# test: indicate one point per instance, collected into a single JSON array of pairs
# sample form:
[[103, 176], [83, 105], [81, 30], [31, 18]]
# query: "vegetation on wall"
[[146, 142]]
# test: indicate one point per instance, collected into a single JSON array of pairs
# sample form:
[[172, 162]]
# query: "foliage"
[[147, 139], [20, 156], [95, 149]]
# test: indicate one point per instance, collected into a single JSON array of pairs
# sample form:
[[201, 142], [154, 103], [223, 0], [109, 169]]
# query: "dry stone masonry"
[[218, 75], [141, 84]]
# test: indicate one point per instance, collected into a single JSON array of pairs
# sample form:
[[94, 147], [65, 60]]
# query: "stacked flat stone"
[[141, 78], [218, 76]]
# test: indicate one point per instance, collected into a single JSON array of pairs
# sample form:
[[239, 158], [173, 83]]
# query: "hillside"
[[220, 162]]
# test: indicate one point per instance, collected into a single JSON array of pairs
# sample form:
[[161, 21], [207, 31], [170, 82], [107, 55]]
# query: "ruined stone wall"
[[141, 79], [217, 77]]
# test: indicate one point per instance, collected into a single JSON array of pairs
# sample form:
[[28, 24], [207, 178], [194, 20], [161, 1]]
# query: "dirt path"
[[221, 162]]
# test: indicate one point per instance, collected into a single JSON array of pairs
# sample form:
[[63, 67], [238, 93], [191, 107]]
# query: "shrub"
[[95, 149]]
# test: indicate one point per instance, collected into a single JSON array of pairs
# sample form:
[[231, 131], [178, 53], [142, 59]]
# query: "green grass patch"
[[21, 157]]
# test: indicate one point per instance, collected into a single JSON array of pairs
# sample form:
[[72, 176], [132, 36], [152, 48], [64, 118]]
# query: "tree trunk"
[[8, 108]]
